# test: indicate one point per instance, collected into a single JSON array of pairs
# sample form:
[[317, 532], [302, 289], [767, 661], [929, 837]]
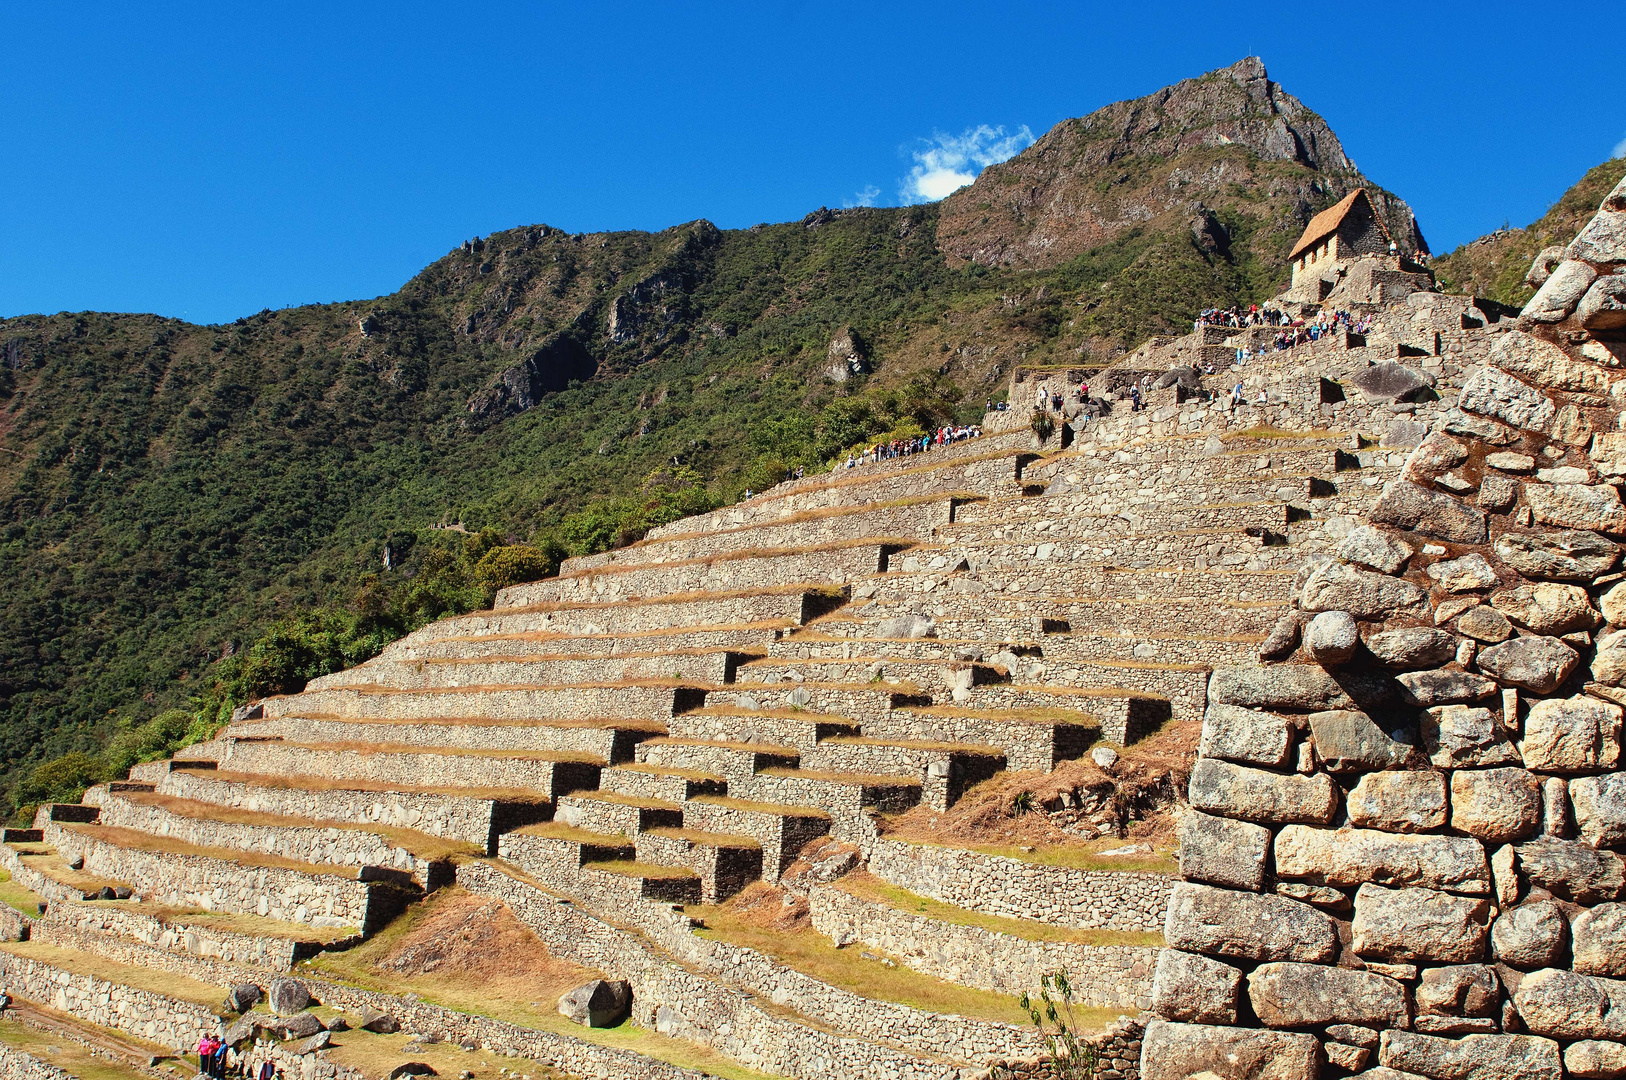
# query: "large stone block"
[[1444, 686], [1599, 941], [1568, 735], [1419, 926], [1195, 989], [1247, 926], [1375, 550], [1496, 804], [1248, 736], [1349, 741], [1347, 858], [1299, 687], [1577, 506], [1474, 1057], [1571, 555], [1564, 1005], [1592, 1059], [1230, 790], [1538, 664], [1530, 936], [1413, 647], [1401, 800], [1311, 995], [1405, 505], [1547, 608], [1171, 1051], [1496, 394], [1603, 240], [1466, 574], [1463, 735], [1332, 637], [1604, 305], [1572, 871], [1221, 851], [1600, 808], [1459, 990], [1546, 365], [1337, 586]]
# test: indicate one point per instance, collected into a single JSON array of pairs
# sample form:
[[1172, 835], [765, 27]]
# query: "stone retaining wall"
[[155, 1017], [580, 702], [46, 887], [312, 844], [675, 1001], [16, 1065], [606, 742], [1021, 890], [423, 769], [1109, 977], [270, 953], [451, 817], [197, 881]]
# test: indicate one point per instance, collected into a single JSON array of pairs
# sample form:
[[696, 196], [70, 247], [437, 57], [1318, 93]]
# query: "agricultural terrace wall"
[[155, 1017]]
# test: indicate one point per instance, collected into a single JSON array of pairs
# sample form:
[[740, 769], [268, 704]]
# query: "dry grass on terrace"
[[641, 802], [1266, 432], [14, 896], [82, 963], [774, 809], [666, 770], [868, 887], [130, 840], [611, 569], [589, 724], [45, 860], [633, 868], [368, 749], [320, 783], [59, 1047], [751, 919], [764, 625], [807, 515], [374, 690], [533, 658], [225, 922], [419, 844], [689, 597], [845, 779], [696, 836], [464, 952], [558, 830], [1016, 716]]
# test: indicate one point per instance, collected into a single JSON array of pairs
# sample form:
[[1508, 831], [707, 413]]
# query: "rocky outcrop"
[[549, 369]]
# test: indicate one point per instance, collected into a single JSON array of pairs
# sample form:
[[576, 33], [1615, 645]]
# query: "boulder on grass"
[[287, 996], [600, 1003]]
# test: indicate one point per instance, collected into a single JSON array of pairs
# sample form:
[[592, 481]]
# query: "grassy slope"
[[1494, 266]]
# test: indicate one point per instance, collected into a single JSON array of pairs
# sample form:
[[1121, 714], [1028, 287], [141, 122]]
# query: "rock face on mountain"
[[1177, 153]]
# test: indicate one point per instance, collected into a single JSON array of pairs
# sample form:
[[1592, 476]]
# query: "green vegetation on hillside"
[[1494, 266]]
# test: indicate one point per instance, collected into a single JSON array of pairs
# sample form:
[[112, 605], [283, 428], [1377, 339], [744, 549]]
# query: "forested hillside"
[[341, 473]]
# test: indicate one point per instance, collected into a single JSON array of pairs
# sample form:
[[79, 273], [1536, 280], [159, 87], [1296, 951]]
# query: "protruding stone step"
[[782, 830], [725, 864], [1030, 740], [855, 701], [732, 760], [944, 770], [670, 784]]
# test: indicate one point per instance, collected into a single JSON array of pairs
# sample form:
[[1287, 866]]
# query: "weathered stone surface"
[[1473, 1057], [1613, 603], [1351, 857], [1465, 574], [1602, 241], [1375, 550], [1459, 990], [1231, 790], [1609, 660], [1347, 740], [320, 1041], [1535, 663], [1406, 801], [1459, 735], [1497, 494], [1547, 608], [1419, 925], [912, 625], [1310, 995], [1496, 804], [1485, 624], [1331, 638], [242, 997], [1221, 851], [1546, 365], [1593, 1059], [1443, 686], [1530, 936], [1571, 555], [1577, 506], [1508, 461], [1600, 808], [1321, 896], [1599, 946], [376, 1020], [1574, 734], [287, 996], [1247, 926], [1249, 736], [1545, 263], [1361, 593], [1468, 425], [1405, 505], [1504, 864], [1563, 1005], [1608, 453], [1561, 291], [1282, 639], [1563, 474], [1387, 381], [1496, 394], [1299, 687], [301, 1026], [1195, 989], [599, 1003], [1412, 647], [1172, 1051], [1348, 1058], [1439, 451], [1572, 871]]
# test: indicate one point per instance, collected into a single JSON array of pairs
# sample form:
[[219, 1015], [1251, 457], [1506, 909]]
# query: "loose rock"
[[1413, 647], [287, 996], [600, 1003], [1332, 638]]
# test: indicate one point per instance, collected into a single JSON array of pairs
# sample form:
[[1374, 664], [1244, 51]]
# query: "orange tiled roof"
[[1326, 223]]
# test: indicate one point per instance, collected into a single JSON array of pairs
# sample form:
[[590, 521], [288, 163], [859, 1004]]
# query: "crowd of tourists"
[[1239, 317], [898, 448]]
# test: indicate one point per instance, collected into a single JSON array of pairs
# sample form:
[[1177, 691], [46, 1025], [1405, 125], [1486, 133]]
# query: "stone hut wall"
[[1404, 842]]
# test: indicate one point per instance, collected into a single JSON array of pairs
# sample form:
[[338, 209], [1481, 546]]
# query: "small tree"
[[1055, 1017], [1043, 426]]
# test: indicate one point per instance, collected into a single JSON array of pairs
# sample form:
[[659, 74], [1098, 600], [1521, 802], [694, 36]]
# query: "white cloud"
[[950, 162], [1620, 149], [866, 197]]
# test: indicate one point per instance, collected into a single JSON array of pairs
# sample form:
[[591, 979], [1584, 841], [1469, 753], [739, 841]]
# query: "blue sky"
[[207, 161]]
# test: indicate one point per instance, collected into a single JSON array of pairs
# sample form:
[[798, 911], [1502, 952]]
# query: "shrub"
[[62, 780], [515, 564], [158, 737], [1043, 426], [1054, 1014]]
